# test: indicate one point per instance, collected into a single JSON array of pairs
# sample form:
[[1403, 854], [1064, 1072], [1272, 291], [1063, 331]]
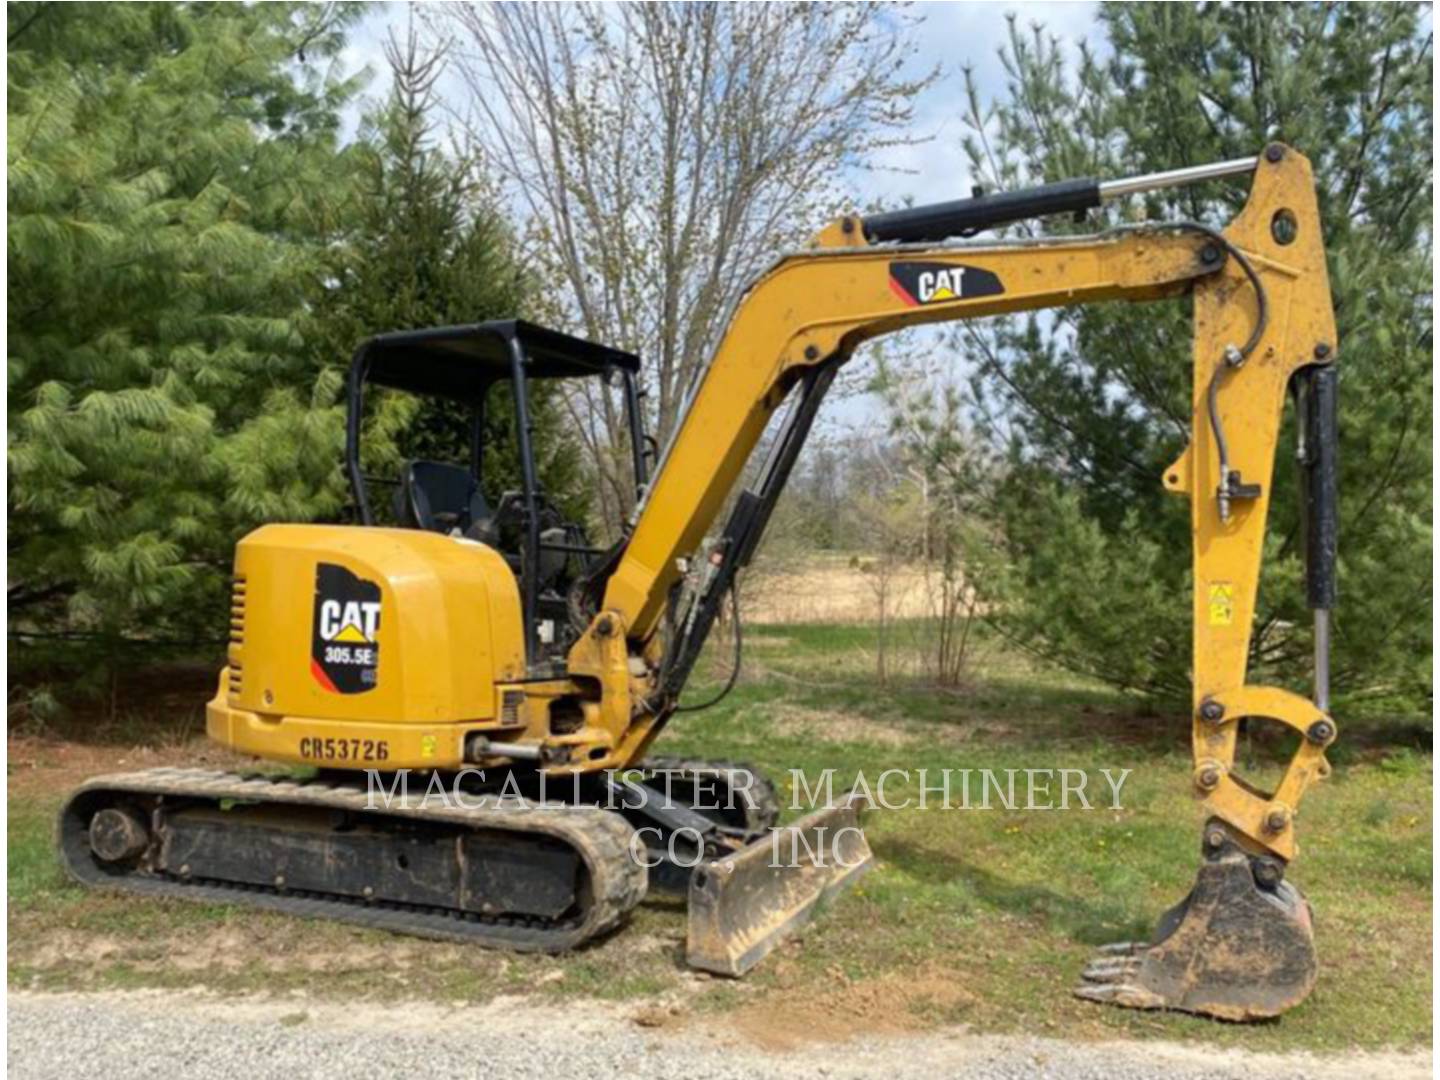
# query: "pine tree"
[[428, 246], [1088, 409], [171, 168]]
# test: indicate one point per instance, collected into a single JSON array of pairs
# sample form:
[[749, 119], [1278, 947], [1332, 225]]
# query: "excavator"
[[479, 640]]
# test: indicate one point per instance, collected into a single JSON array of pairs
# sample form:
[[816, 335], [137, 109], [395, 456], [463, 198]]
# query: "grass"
[[981, 917]]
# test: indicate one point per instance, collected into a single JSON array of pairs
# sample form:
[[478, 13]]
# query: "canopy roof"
[[462, 362]]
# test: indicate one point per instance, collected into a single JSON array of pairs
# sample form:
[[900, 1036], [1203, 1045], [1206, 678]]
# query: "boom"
[[1240, 945], [815, 308], [1262, 318]]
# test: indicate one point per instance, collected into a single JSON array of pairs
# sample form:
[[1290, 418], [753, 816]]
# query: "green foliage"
[[1088, 407], [192, 259], [168, 170], [427, 245]]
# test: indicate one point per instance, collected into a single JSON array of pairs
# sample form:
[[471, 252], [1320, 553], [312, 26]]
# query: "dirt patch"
[[659, 1015], [63, 948], [825, 725], [40, 766], [891, 1005], [245, 945]]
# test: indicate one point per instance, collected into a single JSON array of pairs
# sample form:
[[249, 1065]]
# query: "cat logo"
[[921, 283], [345, 632], [355, 622]]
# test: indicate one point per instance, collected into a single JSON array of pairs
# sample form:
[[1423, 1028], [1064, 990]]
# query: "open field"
[[837, 589], [981, 918]]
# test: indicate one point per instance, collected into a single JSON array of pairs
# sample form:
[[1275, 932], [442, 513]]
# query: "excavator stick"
[[743, 905], [1239, 947]]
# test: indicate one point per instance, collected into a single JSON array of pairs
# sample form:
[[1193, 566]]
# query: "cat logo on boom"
[[921, 283], [344, 641]]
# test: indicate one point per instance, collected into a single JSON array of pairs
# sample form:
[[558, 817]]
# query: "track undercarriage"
[[507, 863]]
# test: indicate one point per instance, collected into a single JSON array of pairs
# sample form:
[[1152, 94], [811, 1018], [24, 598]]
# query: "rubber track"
[[603, 839]]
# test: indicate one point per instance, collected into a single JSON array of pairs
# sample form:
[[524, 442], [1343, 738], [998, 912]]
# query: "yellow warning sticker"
[[428, 743], [1222, 603]]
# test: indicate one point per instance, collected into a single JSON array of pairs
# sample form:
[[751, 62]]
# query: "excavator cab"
[[475, 367]]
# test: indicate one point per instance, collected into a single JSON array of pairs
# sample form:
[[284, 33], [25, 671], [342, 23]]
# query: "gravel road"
[[167, 1036]]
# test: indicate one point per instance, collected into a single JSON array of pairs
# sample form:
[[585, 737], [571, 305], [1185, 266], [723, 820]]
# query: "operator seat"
[[441, 498]]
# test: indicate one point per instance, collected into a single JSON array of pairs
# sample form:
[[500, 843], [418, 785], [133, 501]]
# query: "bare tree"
[[662, 154], [936, 460]]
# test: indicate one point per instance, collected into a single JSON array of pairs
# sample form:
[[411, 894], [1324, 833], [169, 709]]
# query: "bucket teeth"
[[1121, 948], [1125, 994], [1111, 968], [1232, 949], [1109, 978]]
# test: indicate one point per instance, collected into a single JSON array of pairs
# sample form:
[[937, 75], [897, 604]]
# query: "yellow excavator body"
[[469, 640], [354, 647]]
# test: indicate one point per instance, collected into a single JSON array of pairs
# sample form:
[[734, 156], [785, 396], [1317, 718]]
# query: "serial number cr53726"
[[345, 749]]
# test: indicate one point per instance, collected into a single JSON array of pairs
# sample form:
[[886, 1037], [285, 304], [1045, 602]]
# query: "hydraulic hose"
[[1233, 357]]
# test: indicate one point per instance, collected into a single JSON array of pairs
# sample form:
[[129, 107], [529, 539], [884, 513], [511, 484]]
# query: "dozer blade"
[[746, 903], [1239, 947]]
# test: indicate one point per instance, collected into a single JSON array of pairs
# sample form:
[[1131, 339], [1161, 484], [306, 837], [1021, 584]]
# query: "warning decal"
[[344, 640], [1222, 603]]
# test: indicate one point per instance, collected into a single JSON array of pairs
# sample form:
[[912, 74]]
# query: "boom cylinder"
[[963, 217]]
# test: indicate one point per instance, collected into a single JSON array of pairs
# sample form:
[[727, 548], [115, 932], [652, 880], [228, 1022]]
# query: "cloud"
[[955, 36]]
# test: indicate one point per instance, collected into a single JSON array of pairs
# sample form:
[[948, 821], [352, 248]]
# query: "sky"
[[953, 35]]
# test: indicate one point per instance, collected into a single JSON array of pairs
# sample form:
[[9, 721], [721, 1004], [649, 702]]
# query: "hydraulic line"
[[1233, 357], [735, 667]]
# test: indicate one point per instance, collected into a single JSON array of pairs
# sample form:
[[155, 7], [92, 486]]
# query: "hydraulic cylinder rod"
[[1114, 189], [963, 217]]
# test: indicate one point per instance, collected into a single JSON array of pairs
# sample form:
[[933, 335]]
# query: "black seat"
[[440, 498]]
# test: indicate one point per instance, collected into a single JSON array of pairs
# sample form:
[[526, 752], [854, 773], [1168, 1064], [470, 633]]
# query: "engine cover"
[[365, 647]]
